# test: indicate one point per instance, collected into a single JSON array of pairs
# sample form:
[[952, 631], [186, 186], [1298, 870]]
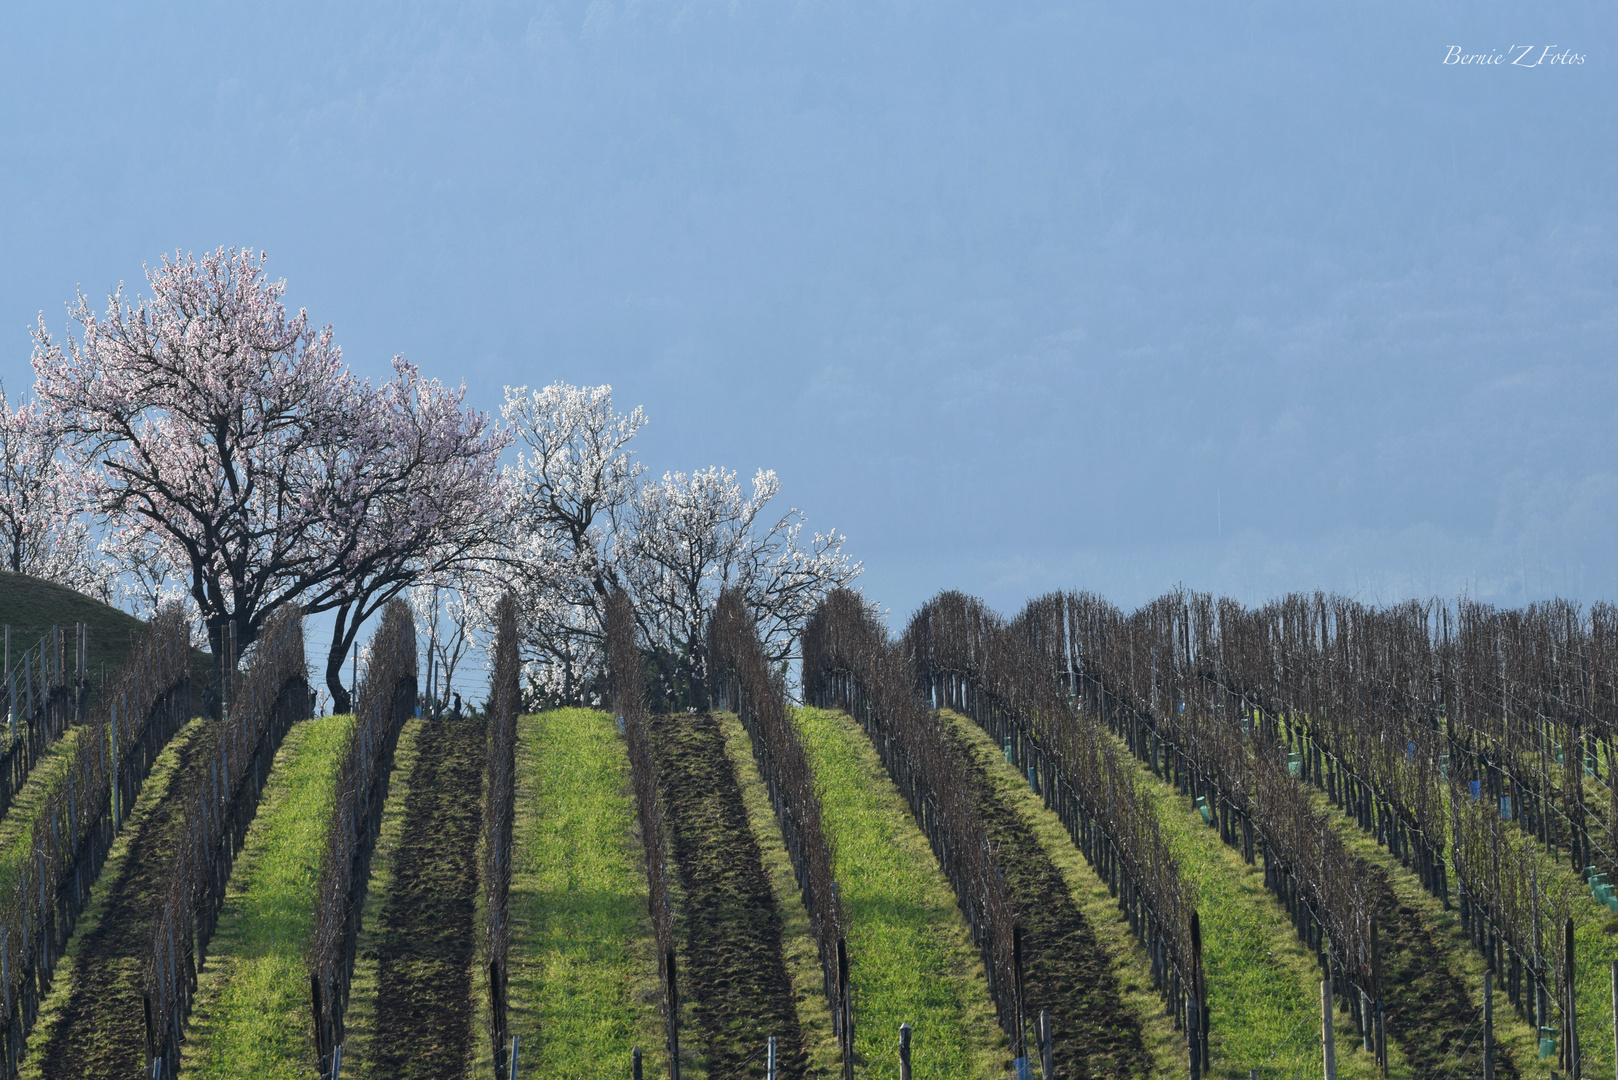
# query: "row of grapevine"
[[997, 673], [627, 672], [74, 828], [265, 702], [1514, 909], [1531, 700], [1385, 706], [499, 815], [1430, 724], [386, 698], [41, 700], [742, 681], [1150, 677], [1355, 693], [849, 664]]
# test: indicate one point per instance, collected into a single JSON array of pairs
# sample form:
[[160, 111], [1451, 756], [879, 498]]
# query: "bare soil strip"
[[1433, 995], [1432, 1014], [733, 969], [426, 944], [1066, 969]]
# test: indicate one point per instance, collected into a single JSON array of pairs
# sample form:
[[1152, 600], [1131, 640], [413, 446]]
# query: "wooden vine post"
[[1570, 1045], [1328, 1046], [1380, 1009], [1196, 1006]]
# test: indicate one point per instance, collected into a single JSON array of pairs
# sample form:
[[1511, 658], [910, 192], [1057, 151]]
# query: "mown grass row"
[[798, 945], [913, 960], [251, 1020], [583, 979], [1263, 986], [360, 1021], [1131, 968], [17, 826], [426, 945], [728, 928]]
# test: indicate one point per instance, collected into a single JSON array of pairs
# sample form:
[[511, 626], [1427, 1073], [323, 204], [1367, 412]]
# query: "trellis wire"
[[998, 675], [49, 701], [626, 669], [1156, 679], [849, 664]]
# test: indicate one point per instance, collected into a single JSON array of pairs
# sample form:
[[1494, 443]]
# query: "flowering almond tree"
[[212, 422], [416, 496]]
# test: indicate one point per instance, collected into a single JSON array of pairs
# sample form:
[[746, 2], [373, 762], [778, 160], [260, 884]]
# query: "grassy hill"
[[31, 607]]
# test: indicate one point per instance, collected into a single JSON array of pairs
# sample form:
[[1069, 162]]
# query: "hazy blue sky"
[[1019, 296]]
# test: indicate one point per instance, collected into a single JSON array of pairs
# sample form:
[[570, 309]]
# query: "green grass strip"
[[583, 981], [1595, 947], [910, 951], [17, 827], [1263, 985], [252, 1015]]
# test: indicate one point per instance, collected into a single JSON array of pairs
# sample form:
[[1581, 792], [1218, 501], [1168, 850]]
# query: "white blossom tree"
[[691, 537], [582, 525], [573, 476], [450, 618]]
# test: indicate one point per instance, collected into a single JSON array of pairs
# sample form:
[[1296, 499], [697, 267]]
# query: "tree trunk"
[[212, 694], [342, 639]]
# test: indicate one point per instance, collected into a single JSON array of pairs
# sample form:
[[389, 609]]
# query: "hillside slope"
[[31, 606]]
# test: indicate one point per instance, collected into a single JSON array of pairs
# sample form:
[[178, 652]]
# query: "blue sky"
[[1018, 296]]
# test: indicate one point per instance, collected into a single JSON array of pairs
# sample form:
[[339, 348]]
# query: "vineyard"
[[1313, 838]]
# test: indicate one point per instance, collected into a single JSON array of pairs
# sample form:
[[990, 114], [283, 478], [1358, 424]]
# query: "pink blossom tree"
[[415, 497], [214, 423], [42, 500]]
